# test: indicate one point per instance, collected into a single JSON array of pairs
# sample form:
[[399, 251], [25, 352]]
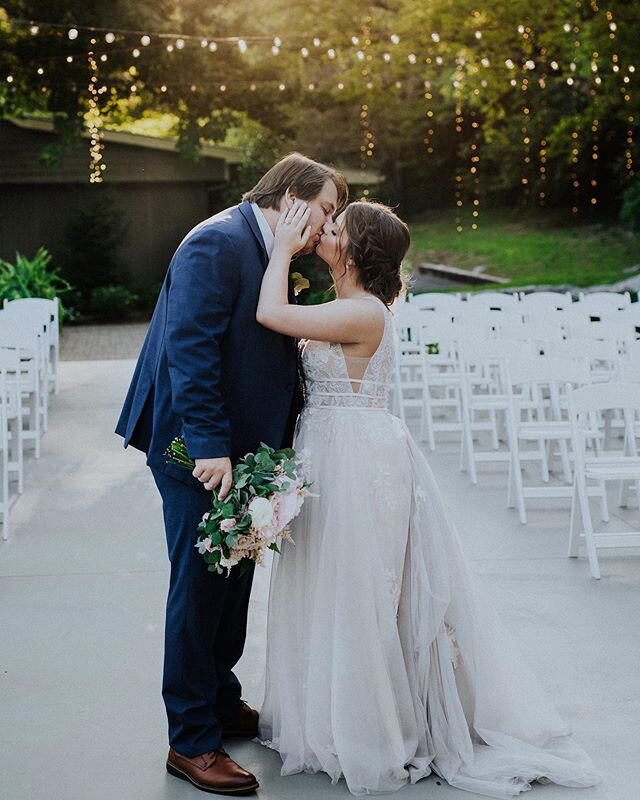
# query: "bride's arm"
[[345, 321]]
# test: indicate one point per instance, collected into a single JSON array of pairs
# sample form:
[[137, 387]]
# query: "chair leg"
[[468, 437], [426, 420], [588, 527], [623, 494], [517, 482], [544, 461], [4, 503], [604, 504], [564, 457], [495, 444], [574, 537]]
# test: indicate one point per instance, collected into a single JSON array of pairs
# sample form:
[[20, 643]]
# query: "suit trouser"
[[205, 627]]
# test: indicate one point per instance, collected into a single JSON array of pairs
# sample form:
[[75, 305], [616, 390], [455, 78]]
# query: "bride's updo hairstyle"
[[378, 240]]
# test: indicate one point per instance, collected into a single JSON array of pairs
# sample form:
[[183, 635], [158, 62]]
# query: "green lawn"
[[528, 249]]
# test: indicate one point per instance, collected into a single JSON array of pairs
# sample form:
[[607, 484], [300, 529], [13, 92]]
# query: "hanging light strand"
[[94, 124]]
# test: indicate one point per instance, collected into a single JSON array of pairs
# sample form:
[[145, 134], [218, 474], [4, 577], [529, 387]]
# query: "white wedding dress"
[[383, 665]]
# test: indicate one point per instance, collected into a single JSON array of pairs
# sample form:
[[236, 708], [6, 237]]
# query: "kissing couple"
[[384, 664]]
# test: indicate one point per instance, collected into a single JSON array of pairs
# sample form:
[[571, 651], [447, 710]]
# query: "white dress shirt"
[[267, 234]]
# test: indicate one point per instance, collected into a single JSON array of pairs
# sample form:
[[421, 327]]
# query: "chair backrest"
[[46, 305], [484, 319], [528, 331], [585, 406], [593, 349], [476, 352], [9, 358], [16, 334], [605, 396], [494, 301], [542, 302], [604, 301], [549, 369], [630, 371], [50, 305], [437, 328], [34, 315], [616, 332], [435, 301]]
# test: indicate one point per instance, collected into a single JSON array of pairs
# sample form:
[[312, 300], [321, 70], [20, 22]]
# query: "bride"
[[382, 663]]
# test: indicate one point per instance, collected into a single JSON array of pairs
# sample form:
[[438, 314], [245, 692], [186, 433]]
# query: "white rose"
[[261, 512]]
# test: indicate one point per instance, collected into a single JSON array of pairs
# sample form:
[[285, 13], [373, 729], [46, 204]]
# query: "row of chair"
[[29, 359], [532, 303], [515, 388]]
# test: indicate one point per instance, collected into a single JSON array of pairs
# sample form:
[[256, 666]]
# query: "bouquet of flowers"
[[267, 493]]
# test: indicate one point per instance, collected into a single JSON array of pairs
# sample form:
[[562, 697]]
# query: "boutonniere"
[[299, 283]]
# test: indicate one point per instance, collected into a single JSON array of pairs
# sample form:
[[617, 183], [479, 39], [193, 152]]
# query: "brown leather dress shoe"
[[242, 722], [213, 772]]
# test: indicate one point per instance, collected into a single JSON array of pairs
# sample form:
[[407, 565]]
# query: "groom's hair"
[[299, 174]]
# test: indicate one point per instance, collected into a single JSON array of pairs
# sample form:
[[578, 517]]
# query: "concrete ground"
[[82, 588]]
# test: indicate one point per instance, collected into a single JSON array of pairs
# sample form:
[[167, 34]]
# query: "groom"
[[210, 373]]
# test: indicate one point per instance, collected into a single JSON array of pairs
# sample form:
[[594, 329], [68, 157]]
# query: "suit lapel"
[[250, 218], [247, 212]]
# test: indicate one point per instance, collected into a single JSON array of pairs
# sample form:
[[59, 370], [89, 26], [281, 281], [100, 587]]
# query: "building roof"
[[231, 155]]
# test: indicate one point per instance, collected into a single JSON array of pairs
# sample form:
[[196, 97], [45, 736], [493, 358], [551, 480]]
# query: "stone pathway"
[[101, 342]]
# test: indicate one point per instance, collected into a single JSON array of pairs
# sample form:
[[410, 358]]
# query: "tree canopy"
[[453, 103]]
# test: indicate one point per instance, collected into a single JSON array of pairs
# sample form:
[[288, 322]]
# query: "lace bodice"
[[335, 380]]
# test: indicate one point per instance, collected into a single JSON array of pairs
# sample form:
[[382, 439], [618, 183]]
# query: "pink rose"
[[228, 524]]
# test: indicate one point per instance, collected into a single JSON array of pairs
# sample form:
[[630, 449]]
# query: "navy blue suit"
[[209, 372]]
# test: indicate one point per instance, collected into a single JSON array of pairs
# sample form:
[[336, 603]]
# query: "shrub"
[[112, 303], [93, 240], [33, 278]]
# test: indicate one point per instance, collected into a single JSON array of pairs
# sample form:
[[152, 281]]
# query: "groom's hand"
[[214, 471]]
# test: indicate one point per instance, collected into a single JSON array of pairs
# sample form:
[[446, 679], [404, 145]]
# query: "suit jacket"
[[207, 369]]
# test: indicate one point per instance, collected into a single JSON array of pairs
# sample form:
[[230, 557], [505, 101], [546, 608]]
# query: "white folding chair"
[[518, 331], [486, 321], [438, 302], [33, 377], [484, 393], [408, 387], [619, 332], [604, 359], [51, 310], [11, 455], [623, 466], [494, 301], [536, 303], [537, 385], [439, 353], [597, 302]]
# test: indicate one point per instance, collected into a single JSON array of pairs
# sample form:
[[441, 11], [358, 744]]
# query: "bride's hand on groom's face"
[[293, 229]]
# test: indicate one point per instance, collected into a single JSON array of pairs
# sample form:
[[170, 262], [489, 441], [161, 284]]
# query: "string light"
[[94, 124], [428, 96], [542, 168], [572, 72], [459, 120], [595, 127], [367, 148], [629, 151], [525, 180], [474, 169]]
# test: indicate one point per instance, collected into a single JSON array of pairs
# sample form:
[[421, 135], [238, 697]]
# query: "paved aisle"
[[82, 585]]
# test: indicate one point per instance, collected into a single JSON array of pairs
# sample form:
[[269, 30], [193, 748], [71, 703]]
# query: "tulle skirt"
[[383, 662]]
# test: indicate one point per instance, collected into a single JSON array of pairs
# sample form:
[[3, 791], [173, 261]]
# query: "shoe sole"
[[178, 773]]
